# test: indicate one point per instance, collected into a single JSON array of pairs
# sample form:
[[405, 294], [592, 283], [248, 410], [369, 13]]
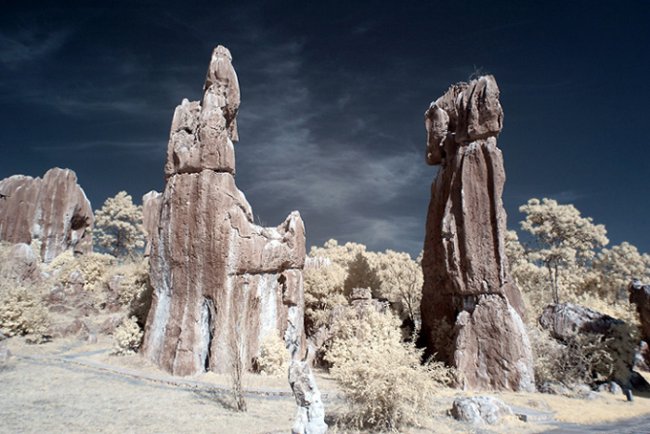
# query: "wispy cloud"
[[24, 47], [125, 145], [337, 178]]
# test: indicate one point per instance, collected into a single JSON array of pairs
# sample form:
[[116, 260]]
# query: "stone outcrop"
[[21, 265], [640, 296], [564, 320], [479, 410], [466, 279], [214, 272], [53, 210], [310, 417], [151, 203]]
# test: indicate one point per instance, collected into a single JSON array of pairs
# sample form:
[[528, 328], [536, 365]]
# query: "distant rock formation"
[[214, 272], [53, 210], [466, 278], [151, 203], [640, 295]]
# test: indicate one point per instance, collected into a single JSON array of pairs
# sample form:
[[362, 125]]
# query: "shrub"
[[274, 357], [384, 382], [323, 291], [134, 290], [582, 359], [22, 312], [93, 267], [127, 337]]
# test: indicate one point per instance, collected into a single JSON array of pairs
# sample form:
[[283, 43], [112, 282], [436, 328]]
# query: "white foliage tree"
[[401, 281], [564, 240], [118, 226]]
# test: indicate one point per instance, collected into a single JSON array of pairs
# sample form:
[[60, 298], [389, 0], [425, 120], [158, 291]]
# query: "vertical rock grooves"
[[53, 210], [213, 270], [466, 278]]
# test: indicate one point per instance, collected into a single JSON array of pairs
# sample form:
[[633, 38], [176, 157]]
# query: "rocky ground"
[[69, 386]]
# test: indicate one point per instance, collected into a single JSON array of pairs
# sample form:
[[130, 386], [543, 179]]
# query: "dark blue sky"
[[333, 96]]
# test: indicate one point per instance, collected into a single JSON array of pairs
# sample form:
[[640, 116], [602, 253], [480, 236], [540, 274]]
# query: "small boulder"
[[479, 410], [611, 387]]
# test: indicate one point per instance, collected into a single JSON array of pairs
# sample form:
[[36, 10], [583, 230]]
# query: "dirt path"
[[72, 387], [42, 395]]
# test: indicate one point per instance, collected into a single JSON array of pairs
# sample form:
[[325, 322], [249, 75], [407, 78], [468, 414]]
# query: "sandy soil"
[[67, 386]]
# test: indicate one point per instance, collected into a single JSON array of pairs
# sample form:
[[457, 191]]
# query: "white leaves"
[[118, 226]]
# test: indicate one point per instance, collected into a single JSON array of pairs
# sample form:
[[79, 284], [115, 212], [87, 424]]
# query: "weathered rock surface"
[[480, 410], [53, 210], [151, 203], [466, 278], [565, 320], [212, 269], [310, 417], [21, 265]]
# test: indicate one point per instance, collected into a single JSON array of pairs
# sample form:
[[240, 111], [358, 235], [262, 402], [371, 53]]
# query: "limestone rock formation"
[[150, 217], [53, 210], [310, 417], [466, 278], [640, 295], [214, 272], [567, 319]]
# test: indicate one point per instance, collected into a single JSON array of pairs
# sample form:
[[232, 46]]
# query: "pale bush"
[[337, 253], [616, 267], [22, 312], [274, 357], [359, 265], [323, 291], [384, 382], [400, 281], [127, 337], [134, 290], [92, 266]]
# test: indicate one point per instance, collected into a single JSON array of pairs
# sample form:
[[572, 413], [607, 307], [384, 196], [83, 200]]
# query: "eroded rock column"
[[215, 272], [53, 210], [466, 280]]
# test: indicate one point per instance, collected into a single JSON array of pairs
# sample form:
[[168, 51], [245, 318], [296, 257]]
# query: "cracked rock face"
[[53, 210], [466, 278], [213, 270]]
